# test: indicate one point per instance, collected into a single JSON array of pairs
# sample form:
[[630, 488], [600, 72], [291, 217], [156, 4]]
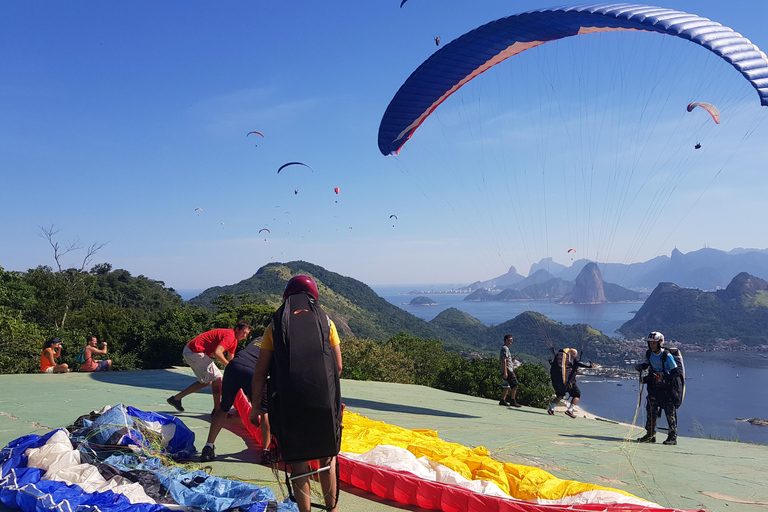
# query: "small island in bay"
[[422, 301]]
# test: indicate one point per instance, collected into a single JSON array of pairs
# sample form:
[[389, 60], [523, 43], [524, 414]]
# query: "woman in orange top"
[[52, 350]]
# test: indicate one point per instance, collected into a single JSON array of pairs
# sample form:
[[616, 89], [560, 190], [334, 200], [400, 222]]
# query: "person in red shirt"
[[219, 344]]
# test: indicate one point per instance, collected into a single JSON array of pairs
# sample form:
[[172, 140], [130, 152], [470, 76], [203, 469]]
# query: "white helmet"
[[655, 336]]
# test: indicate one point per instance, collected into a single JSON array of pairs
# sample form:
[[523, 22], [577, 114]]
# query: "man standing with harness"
[[662, 391], [300, 352]]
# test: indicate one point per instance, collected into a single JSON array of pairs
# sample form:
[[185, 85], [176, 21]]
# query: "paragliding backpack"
[[676, 380], [562, 367], [304, 392]]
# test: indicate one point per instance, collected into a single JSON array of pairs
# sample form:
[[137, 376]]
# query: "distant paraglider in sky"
[[294, 163], [713, 111], [198, 210], [264, 229], [393, 216], [571, 251], [257, 133], [222, 225], [437, 40], [336, 189]]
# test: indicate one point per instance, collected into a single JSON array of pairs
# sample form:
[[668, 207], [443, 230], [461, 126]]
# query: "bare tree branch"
[[93, 249]]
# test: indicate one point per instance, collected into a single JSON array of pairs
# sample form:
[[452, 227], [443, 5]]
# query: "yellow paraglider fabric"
[[527, 483]]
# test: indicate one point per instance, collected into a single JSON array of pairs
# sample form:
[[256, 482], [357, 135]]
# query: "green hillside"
[[694, 316], [354, 307]]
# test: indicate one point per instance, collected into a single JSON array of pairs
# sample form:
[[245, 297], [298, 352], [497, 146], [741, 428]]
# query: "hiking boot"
[[671, 439], [647, 438], [504, 403], [570, 413], [550, 412], [208, 454], [514, 403], [176, 404]]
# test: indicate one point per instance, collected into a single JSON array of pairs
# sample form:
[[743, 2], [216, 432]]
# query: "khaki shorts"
[[203, 366]]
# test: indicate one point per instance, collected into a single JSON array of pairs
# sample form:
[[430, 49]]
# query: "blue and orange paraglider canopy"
[[458, 62]]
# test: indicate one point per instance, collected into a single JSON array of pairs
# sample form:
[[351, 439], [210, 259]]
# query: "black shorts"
[[511, 379], [238, 377]]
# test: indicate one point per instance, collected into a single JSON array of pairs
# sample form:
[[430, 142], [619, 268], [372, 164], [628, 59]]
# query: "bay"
[[721, 386], [603, 317]]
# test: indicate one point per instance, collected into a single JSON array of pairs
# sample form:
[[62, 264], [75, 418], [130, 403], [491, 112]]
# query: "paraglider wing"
[[402, 3], [294, 163], [463, 59], [571, 250], [336, 190], [713, 111], [264, 229], [257, 133], [393, 216]]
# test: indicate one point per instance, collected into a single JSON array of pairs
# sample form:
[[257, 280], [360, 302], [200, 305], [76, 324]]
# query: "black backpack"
[[304, 390]]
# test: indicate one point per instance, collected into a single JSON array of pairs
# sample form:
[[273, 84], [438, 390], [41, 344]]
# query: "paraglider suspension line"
[[292, 496]]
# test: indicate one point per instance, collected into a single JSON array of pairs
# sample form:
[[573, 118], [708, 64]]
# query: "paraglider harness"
[[674, 381], [558, 367], [304, 391]]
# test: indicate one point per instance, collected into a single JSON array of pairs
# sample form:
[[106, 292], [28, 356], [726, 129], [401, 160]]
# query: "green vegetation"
[[147, 325], [697, 317]]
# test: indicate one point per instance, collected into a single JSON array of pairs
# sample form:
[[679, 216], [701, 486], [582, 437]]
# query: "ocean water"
[[604, 317], [721, 386]]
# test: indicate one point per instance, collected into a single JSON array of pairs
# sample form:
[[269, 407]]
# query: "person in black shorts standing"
[[238, 375], [506, 360]]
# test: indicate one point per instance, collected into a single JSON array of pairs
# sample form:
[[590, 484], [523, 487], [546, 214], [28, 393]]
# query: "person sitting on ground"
[[238, 375], [563, 370], [198, 353], [86, 360], [52, 350]]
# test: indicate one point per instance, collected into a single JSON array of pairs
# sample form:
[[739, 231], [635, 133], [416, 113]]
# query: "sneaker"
[[647, 438], [671, 440], [504, 403], [514, 403], [208, 454], [570, 413], [550, 412], [176, 404]]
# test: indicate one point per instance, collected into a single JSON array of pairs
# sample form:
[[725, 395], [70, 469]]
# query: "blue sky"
[[120, 118]]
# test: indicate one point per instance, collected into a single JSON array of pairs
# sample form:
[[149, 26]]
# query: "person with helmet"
[[661, 366], [219, 344], [269, 363]]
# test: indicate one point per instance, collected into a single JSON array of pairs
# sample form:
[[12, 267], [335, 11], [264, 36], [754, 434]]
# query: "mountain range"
[[705, 269], [358, 311], [588, 288]]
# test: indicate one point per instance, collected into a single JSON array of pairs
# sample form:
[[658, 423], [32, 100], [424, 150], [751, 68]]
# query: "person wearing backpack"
[[563, 370], [300, 351], [85, 357], [662, 381]]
